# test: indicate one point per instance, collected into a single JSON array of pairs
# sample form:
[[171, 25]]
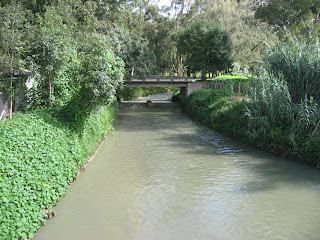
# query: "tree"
[[297, 16], [12, 18], [52, 48], [249, 36], [100, 75], [159, 36], [207, 47], [138, 58], [36, 6]]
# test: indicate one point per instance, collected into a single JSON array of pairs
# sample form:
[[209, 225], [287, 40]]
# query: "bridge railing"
[[162, 78]]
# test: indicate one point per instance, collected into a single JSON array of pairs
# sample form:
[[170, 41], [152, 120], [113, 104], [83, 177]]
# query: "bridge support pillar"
[[183, 92], [190, 88]]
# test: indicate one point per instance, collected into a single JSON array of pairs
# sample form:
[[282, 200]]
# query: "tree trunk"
[[50, 89], [203, 76], [11, 98], [180, 66]]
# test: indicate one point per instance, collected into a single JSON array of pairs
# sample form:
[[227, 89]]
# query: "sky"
[[163, 2]]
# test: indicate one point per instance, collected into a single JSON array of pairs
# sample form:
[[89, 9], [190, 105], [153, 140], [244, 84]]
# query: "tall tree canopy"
[[53, 37], [207, 47], [298, 16], [249, 36]]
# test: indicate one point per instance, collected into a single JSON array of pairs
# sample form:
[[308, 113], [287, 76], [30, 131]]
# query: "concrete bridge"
[[186, 85]]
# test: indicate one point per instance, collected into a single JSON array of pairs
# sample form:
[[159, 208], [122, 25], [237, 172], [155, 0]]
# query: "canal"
[[161, 176]]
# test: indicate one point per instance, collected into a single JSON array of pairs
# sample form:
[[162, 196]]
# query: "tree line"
[[79, 51]]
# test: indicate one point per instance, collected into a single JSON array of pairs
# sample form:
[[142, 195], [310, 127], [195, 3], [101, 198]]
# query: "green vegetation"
[[282, 112], [39, 157], [226, 112], [206, 47], [128, 93], [297, 16], [78, 52], [298, 62], [249, 36], [285, 113], [218, 109]]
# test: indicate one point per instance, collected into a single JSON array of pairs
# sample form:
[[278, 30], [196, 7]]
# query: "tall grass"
[[271, 104], [299, 63], [285, 97]]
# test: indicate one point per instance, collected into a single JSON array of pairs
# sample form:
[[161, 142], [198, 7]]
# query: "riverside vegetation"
[[281, 113], [39, 157], [78, 53]]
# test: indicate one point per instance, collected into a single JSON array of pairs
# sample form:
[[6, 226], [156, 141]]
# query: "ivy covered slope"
[[39, 157]]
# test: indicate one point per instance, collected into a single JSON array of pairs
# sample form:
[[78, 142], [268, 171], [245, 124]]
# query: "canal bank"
[[234, 115], [163, 176]]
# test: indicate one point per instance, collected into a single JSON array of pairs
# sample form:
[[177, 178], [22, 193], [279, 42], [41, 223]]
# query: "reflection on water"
[[163, 176]]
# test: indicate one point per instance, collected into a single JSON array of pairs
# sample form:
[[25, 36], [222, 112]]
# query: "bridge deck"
[[160, 81]]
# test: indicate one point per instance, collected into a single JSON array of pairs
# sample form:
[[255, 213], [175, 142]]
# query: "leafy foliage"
[[39, 157], [52, 56], [298, 16], [12, 27], [248, 35], [207, 48], [101, 74], [160, 36]]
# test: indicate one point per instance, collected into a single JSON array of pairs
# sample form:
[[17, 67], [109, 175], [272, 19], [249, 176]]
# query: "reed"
[[271, 103], [299, 63]]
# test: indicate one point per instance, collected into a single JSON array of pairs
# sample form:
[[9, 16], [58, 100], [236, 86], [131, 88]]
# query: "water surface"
[[161, 175]]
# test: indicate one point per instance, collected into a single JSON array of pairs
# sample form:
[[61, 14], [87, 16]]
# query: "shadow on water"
[[270, 170]]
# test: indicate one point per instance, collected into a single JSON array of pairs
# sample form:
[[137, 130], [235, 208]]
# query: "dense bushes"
[[39, 157]]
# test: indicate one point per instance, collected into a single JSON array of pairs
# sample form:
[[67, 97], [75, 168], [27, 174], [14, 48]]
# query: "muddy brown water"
[[161, 176]]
